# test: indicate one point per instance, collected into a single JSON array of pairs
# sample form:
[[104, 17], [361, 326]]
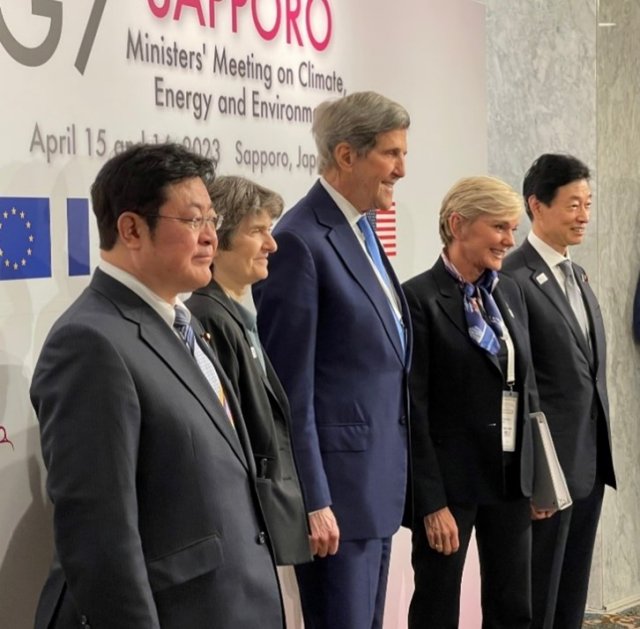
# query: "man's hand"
[[442, 531], [325, 534]]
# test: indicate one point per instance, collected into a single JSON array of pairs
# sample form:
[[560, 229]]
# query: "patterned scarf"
[[484, 332]]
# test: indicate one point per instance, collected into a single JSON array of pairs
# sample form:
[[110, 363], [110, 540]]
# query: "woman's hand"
[[442, 531], [541, 514]]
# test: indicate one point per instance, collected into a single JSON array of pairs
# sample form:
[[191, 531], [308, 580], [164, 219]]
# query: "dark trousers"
[[503, 536], [346, 590], [562, 553]]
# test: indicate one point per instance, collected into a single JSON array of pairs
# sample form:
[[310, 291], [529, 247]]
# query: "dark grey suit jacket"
[[267, 416], [156, 518], [571, 377]]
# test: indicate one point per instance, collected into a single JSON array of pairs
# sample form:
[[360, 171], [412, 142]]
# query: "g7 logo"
[[39, 55]]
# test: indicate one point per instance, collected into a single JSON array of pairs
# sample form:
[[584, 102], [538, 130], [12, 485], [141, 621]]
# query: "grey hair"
[[473, 197], [237, 197], [356, 119]]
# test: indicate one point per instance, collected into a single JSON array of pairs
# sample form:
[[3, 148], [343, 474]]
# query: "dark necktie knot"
[[183, 325]]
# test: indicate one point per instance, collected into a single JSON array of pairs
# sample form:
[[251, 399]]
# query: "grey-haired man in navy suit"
[[335, 324]]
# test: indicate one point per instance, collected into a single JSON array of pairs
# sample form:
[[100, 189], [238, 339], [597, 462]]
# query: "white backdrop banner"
[[235, 80]]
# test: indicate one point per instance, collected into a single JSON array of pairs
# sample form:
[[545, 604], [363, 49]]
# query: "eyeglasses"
[[197, 223]]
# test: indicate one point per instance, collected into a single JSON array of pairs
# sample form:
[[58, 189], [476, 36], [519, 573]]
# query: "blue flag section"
[[78, 236], [25, 238]]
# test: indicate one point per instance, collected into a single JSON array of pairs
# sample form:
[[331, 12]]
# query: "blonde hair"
[[473, 197]]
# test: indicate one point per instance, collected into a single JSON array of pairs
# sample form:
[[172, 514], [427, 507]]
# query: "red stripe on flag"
[[386, 230]]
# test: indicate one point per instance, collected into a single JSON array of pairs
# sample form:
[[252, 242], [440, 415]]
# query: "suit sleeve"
[[90, 420], [287, 304], [428, 488]]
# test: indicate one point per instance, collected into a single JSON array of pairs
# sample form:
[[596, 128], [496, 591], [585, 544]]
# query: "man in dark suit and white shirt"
[[156, 518], [569, 356], [335, 324]]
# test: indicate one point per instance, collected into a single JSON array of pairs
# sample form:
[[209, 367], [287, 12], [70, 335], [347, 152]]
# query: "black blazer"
[[265, 409], [571, 378], [456, 397]]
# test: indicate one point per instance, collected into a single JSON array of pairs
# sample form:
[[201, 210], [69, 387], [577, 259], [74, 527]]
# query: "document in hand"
[[550, 489]]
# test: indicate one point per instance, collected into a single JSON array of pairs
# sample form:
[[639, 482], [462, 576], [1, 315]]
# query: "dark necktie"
[[574, 295], [183, 326], [371, 245]]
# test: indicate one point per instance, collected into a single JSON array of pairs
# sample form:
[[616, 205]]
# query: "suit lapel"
[[544, 280], [512, 325], [593, 309], [215, 292], [275, 388], [449, 298], [236, 435], [355, 261], [170, 350]]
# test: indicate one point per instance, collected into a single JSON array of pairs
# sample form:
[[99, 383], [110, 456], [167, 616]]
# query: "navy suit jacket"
[[571, 378], [156, 517], [456, 398], [330, 333]]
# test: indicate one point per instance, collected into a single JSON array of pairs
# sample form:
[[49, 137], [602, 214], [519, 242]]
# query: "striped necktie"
[[182, 324]]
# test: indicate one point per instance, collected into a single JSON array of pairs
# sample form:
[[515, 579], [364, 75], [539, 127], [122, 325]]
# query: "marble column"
[[563, 77]]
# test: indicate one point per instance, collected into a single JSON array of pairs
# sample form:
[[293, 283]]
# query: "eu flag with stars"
[[25, 238]]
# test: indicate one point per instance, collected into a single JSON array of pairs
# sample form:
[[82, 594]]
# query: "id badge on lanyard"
[[509, 398]]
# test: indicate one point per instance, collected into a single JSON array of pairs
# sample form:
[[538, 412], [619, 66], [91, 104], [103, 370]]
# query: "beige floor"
[[622, 620]]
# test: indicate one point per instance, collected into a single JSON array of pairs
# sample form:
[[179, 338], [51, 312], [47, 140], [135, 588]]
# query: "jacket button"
[[262, 538], [83, 620], [403, 420]]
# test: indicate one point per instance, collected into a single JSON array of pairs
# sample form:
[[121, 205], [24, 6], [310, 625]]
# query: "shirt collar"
[[248, 317], [550, 256], [162, 307], [350, 213]]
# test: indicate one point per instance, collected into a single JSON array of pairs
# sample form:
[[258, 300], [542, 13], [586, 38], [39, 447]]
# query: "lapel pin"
[[206, 337], [541, 279]]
